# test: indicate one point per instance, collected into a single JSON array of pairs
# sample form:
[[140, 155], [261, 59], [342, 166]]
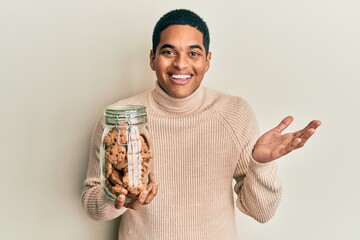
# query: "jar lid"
[[130, 114]]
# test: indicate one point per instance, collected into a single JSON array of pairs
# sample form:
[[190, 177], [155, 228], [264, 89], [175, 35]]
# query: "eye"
[[168, 52], [194, 54]]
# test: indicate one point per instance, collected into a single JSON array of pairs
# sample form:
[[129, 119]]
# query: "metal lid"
[[125, 114]]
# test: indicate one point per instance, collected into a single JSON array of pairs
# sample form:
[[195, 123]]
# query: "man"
[[203, 139]]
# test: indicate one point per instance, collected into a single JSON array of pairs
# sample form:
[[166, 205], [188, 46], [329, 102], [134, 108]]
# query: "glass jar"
[[125, 152]]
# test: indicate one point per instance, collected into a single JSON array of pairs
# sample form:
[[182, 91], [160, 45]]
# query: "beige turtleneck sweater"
[[200, 144]]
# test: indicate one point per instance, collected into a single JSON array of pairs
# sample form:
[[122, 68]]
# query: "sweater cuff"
[[262, 169]]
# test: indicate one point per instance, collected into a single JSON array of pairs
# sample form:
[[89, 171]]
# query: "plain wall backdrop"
[[63, 62]]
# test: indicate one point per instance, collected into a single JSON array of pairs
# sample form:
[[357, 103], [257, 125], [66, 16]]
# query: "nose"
[[181, 62]]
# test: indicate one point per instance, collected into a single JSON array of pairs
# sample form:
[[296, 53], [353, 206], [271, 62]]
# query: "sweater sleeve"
[[258, 190], [258, 186], [94, 200]]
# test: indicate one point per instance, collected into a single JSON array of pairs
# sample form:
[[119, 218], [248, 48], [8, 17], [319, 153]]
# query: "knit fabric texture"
[[203, 163]]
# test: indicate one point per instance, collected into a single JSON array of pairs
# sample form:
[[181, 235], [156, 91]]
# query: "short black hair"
[[181, 17]]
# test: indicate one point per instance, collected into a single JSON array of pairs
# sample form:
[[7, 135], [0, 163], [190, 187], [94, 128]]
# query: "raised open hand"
[[273, 145]]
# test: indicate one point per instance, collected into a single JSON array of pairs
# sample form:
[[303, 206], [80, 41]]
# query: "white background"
[[63, 62]]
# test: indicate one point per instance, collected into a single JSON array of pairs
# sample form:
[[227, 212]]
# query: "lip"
[[181, 79]]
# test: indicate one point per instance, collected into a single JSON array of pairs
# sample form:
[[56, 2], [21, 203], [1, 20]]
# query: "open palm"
[[273, 144]]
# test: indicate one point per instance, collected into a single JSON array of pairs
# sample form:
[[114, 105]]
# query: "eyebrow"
[[195, 46], [167, 46]]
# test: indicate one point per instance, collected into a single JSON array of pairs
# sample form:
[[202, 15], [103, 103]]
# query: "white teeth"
[[181, 76]]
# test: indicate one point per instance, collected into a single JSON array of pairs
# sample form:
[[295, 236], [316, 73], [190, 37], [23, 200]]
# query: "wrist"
[[255, 156]]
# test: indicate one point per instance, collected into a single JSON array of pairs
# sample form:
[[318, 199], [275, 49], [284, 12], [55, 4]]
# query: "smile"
[[180, 79], [180, 76]]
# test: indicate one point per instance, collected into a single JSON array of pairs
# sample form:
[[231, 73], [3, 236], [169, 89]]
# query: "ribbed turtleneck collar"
[[166, 104]]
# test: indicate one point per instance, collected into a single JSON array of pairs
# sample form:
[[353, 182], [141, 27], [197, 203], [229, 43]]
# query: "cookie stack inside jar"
[[125, 151]]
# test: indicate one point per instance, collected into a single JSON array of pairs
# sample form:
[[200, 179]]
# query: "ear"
[[208, 59], [152, 60]]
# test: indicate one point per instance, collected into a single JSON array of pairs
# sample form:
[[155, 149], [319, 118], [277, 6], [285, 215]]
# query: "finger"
[[312, 125], [151, 181], [299, 142], [119, 202], [139, 202], [284, 124], [152, 193], [305, 137], [294, 144], [151, 177], [153, 188]]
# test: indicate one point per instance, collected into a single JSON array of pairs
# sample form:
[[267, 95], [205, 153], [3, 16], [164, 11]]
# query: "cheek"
[[200, 64], [200, 68], [160, 66]]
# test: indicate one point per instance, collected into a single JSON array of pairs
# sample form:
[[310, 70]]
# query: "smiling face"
[[180, 61]]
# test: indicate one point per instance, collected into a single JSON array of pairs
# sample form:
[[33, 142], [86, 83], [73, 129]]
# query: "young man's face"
[[180, 61]]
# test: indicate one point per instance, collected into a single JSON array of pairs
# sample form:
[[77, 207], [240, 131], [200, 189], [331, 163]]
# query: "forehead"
[[181, 34]]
